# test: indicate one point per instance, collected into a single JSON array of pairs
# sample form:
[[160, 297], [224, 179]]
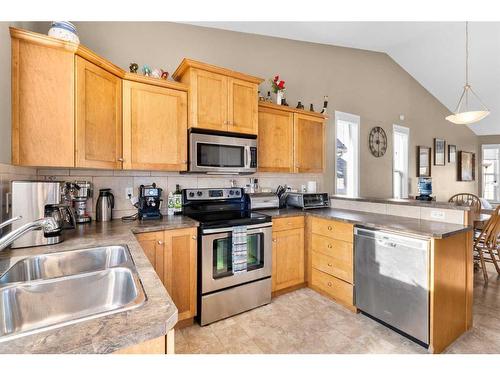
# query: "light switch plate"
[[129, 192], [438, 215]]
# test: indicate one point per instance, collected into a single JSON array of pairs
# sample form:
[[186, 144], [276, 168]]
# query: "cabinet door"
[[42, 105], [180, 269], [288, 258], [154, 127], [275, 151], [208, 100], [98, 117], [309, 143], [153, 245], [242, 106]]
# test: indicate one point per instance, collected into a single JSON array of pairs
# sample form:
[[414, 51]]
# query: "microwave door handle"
[[247, 157]]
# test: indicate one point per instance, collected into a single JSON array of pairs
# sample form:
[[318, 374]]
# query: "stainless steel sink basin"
[[48, 266], [49, 291]]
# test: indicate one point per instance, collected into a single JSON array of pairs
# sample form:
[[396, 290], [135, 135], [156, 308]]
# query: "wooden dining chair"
[[486, 244], [467, 199]]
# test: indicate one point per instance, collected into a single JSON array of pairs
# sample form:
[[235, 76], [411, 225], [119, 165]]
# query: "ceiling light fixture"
[[463, 114]]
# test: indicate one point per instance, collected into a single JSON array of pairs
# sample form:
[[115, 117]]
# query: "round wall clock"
[[377, 141]]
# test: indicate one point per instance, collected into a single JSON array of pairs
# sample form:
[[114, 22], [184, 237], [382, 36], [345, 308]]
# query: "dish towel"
[[240, 254]]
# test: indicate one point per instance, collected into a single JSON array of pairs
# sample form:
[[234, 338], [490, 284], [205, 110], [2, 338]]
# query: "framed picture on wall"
[[466, 166], [423, 161], [439, 151], [452, 154]]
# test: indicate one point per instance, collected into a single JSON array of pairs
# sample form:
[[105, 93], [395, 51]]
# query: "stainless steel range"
[[234, 252]]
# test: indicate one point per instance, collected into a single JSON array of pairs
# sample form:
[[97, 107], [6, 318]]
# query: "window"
[[347, 154], [491, 165], [401, 140]]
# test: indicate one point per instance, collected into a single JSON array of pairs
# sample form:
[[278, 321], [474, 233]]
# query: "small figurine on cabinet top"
[[311, 108], [156, 73], [300, 105], [146, 70], [164, 75], [325, 104], [133, 68]]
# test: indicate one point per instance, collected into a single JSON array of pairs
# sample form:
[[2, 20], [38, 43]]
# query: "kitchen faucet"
[[48, 224]]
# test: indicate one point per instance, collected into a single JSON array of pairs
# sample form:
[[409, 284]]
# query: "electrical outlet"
[[437, 215], [129, 192]]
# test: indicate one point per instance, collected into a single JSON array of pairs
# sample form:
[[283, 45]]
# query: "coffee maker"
[[78, 193], [149, 202]]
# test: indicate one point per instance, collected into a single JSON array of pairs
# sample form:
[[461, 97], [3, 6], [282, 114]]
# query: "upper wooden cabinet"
[[43, 93], [290, 140], [309, 143], [98, 117], [68, 110], [154, 126], [220, 99]]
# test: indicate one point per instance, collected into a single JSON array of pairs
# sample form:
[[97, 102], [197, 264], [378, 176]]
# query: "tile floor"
[[306, 322]]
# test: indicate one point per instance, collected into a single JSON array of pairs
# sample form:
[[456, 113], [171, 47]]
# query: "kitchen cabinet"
[[173, 256], [290, 140], [330, 262], [288, 253], [275, 140], [309, 143], [220, 99], [154, 126], [98, 117]]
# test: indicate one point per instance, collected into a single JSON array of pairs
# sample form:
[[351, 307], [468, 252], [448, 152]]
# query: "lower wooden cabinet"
[[330, 259], [173, 256], [288, 253]]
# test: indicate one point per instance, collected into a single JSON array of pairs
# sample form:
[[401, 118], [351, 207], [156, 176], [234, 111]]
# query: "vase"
[[279, 97], [63, 30]]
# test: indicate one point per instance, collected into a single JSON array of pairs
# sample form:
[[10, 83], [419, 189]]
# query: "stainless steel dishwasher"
[[392, 280]]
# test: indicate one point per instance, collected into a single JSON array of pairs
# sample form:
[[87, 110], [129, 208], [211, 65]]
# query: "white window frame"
[[356, 120], [406, 176], [483, 184]]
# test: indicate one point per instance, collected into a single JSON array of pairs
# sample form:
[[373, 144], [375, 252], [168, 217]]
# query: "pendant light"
[[464, 114]]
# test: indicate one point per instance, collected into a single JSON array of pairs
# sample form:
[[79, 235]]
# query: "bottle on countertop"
[[171, 204], [177, 200]]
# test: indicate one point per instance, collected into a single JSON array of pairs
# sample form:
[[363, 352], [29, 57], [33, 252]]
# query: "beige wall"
[[365, 83]]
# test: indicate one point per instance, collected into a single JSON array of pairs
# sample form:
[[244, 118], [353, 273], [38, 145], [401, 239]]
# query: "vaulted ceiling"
[[432, 52]]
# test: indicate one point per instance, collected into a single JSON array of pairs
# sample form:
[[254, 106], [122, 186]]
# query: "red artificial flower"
[[276, 78], [281, 84]]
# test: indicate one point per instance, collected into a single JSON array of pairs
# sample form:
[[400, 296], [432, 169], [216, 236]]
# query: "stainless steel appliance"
[[34, 200], [259, 201], [392, 280], [307, 200], [79, 193], [149, 202], [223, 291], [221, 152], [105, 205]]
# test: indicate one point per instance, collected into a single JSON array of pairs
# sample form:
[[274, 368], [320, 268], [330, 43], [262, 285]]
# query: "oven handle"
[[229, 229]]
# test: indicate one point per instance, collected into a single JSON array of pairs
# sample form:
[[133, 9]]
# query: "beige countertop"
[[407, 202], [112, 332], [426, 228]]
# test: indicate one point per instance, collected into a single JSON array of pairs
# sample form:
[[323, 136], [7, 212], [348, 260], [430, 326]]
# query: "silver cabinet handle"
[[160, 242], [121, 159], [7, 202], [194, 237]]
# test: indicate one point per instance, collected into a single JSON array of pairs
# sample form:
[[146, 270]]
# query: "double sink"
[[47, 291]]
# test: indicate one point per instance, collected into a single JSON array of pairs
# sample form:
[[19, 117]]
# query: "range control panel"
[[213, 194]]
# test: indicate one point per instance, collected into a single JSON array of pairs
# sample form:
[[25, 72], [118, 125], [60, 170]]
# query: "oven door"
[[212, 153], [217, 262]]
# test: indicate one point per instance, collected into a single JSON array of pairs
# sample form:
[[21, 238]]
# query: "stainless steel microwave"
[[222, 153]]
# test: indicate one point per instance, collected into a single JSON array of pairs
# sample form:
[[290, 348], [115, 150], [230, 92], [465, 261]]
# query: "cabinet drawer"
[[333, 229], [333, 287], [286, 223], [334, 266]]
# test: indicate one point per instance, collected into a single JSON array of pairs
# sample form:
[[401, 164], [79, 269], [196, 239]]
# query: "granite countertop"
[[408, 202], [426, 228], [112, 332]]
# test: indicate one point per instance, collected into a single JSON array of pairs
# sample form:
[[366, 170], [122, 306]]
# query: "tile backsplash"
[[118, 181]]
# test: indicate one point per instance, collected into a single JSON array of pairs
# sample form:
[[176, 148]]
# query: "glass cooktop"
[[220, 219]]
